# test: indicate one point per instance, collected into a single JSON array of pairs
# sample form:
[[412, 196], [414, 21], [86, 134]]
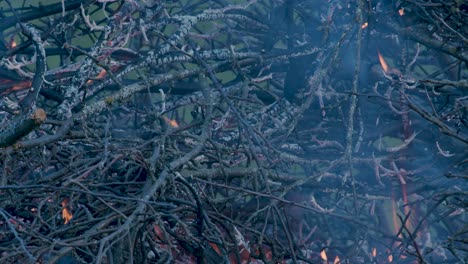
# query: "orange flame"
[[66, 213], [374, 252], [323, 255], [384, 64], [101, 74], [390, 258], [401, 11], [363, 26], [337, 260], [13, 44], [173, 123]]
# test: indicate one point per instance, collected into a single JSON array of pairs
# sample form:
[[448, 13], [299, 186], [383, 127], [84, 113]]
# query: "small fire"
[[337, 260], [390, 258], [384, 64], [13, 44], [66, 213], [363, 26], [323, 255], [401, 11], [374, 252], [101, 75], [173, 123], [392, 72]]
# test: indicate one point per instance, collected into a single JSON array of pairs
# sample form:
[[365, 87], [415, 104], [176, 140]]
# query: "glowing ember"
[[401, 11], [13, 44], [66, 213], [18, 87], [363, 26], [383, 63], [374, 252], [323, 255], [390, 258], [171, 122], [337, 260], [101, 74], [216, 248]]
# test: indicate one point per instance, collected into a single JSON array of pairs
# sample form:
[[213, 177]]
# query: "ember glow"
[[384, 64], [374, 252], [18, 86], [101, 75], [13, 44], [173, 123], [337, 260], [363, 26]]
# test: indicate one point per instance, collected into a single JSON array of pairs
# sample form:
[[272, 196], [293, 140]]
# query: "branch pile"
[[265, 131]]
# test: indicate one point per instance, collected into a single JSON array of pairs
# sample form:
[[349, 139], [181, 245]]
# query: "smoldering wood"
[[261, 132]]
